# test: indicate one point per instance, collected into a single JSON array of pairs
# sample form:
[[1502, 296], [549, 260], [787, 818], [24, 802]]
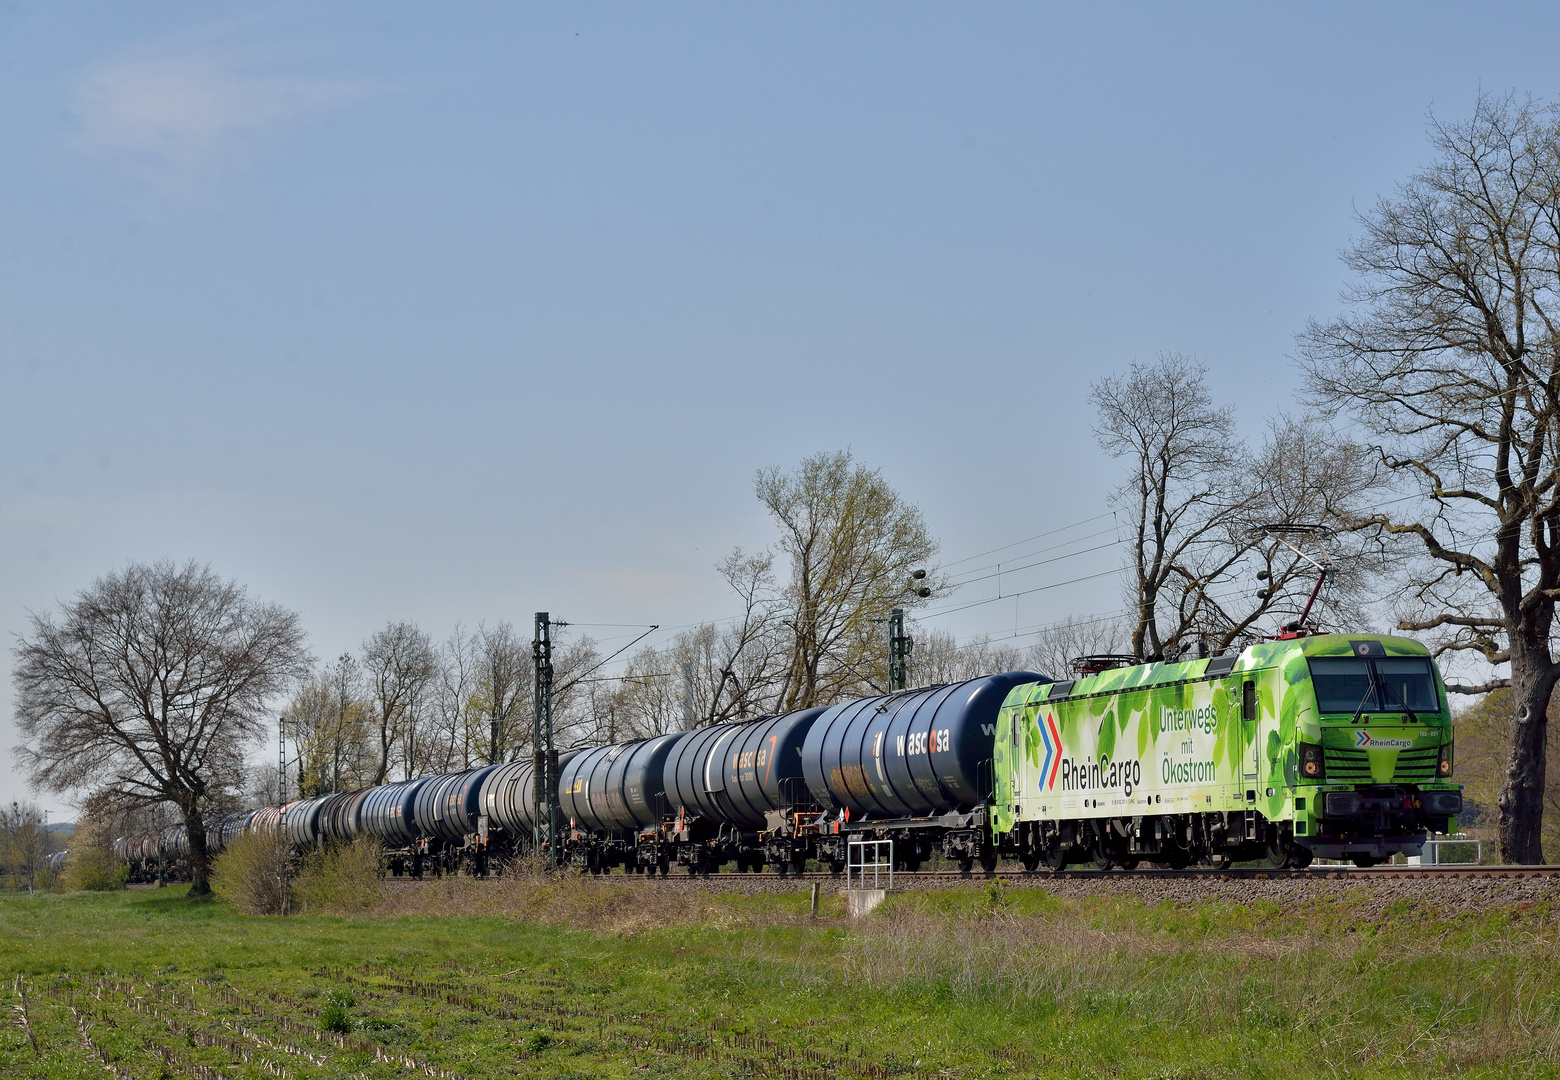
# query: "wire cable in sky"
[[1037, 536]]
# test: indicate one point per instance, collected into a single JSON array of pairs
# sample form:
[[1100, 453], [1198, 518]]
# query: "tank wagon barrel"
[[338, 820], [301, 822], [508, 798]]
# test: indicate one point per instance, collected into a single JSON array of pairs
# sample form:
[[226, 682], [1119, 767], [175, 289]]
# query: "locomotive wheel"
[[988, 861], [1283, 853], [1130, 863], [1103, 859], [1054, 858], [1221, 861], [1364, 862], [1175, 858], [1031, 861]]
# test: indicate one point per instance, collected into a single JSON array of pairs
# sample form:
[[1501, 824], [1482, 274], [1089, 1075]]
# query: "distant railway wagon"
[[1327, 745], [1308, 745]]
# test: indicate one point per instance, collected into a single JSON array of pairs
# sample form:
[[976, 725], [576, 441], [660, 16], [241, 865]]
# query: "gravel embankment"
[[1369, 896]]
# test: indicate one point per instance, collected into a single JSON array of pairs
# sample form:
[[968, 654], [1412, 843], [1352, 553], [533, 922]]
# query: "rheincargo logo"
[[1203, 719], [1366, 741], [1104, 773]]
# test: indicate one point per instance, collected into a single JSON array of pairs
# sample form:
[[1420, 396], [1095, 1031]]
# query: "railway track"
[[1310, 873]]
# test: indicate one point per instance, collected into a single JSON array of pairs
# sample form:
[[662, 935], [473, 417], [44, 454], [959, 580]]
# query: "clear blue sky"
[[455, 313]]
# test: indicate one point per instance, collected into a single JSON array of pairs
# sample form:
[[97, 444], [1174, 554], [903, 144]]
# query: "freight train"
[[1312, 745]]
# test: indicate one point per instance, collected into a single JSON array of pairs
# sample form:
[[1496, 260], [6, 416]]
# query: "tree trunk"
[[200, 869], [1521, 799]]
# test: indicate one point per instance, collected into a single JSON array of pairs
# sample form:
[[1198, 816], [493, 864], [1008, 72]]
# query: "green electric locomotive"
[[1331, 746]]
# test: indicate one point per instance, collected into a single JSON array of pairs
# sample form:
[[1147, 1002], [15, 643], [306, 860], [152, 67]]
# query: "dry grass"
[[623, 908], [1409, 999]]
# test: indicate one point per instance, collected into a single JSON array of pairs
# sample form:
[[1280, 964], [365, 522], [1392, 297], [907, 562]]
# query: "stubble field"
[[538, 978]]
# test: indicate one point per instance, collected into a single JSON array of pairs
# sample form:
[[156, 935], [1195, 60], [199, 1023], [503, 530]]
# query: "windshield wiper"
[[1369, 690], [1412, 715]]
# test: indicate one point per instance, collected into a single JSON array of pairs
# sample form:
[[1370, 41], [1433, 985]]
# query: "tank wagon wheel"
[[966, 864], [666, 866], [836, 868]]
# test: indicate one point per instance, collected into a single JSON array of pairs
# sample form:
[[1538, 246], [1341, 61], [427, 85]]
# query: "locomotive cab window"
[[1343, 684], [1407, 682]]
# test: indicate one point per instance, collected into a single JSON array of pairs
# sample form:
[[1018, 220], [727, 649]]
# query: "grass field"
[[590, 979]]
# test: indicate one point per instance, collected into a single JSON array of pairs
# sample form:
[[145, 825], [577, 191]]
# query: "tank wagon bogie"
[[1334, 746]]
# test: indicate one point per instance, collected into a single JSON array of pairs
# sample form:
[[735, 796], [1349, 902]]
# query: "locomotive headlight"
[[1444, 764], [1312, 767]]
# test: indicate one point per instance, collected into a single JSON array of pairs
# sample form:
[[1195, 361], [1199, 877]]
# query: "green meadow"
[[533, 978]]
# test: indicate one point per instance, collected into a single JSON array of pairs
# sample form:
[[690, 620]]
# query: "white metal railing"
[[881, 865], [1431, 856]]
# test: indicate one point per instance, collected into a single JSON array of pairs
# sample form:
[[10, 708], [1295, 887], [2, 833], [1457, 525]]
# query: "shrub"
[[337, 1014], [535, 1042], [94, 870], [255, 874], [342, 878]]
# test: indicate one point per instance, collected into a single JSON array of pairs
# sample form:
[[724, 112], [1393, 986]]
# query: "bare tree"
[[149, 685], [938, 658], [329, 717], [502, 691], [454, 701], [1447, 356], [399, 665], [1057, 646], [24, 844], [853, 544], [1196, 497]]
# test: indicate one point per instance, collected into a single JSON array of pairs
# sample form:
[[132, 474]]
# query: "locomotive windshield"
[[1343, 684], [1407, 682], [1349, 684]]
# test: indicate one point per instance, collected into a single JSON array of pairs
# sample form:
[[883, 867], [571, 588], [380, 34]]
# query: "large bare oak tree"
[[1447, 357], [148, 685]]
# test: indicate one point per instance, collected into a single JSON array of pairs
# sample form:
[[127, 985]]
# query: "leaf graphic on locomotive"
[[1105, 746], [1223, 745]]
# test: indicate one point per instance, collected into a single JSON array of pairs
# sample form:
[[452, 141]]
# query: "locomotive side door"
[[1248, 733]]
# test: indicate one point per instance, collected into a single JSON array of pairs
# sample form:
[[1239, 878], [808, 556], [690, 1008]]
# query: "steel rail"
[[1234, 873]]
